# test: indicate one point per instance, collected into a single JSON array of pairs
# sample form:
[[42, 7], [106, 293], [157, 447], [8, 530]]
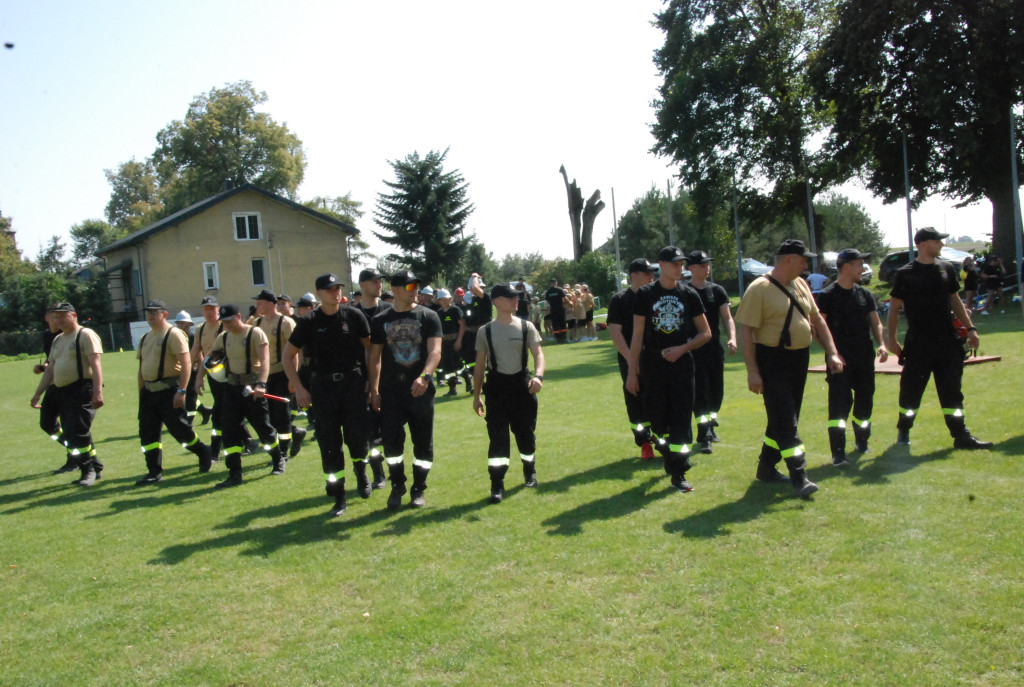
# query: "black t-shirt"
[[404, 336], [450, 319], [847, 313], [554, 297], [332, 343], [713, 296], [925, 290], [370, 313], [620, 312], [669, 314], [478, 312], [522, 302]]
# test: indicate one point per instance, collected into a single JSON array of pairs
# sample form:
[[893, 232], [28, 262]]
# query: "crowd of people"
[[366, 370]]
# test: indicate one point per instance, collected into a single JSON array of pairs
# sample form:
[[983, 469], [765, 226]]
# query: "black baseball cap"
[[228, 312], [327, 281], [503, 290], [370, 275], [641, 265], [795, 247], [210, 300], [848, 254], [284, 297], [928, 234], [404, 277], [671, 254], [698, 257], [265, 295], [156, 305], [63, 306], [305, 303]]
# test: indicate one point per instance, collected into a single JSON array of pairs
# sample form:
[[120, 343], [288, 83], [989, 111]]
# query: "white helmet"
[[183, 316], [215, 365]]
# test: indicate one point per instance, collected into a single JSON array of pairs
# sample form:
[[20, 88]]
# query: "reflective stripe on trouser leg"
[[195, 440], [837, 424], [907, 416], [954, 421], [496, 468], [396, 470], [794, 452], [333, 477]]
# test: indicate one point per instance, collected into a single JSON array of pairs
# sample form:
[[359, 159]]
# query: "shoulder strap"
[[784, 337], [248, 351], [78, 355], [223, 336], [492, 363], [280, 322], [163, 354], [525, 347]]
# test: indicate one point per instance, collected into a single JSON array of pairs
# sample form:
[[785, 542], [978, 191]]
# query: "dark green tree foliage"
[[134, 195], [735, 103], [89, 236], [223, 138], [51, 258], [476, 259], [425, 216], [946, 74], [349, 211], [514, 265], [595, 269]]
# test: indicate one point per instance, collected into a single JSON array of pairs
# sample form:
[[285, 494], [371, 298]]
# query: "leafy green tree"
[[945, 75], [735, 105], [51, 258], [134, 195], [349, 211], [476, 259], [514, 265], [223, 138], [12, 264], [425, 216], [89, 236]]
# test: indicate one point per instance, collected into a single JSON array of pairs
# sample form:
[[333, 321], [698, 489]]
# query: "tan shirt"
[[149, 353], [207, 334], [234, 346], [62, 356], [269, 327], [764, 307], [508, 344]]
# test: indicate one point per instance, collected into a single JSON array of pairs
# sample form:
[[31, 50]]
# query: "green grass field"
[[904, 569]]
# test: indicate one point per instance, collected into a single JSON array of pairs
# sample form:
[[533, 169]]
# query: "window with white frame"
[[247, 226], [137, 278], [211, 280], [259, 272]]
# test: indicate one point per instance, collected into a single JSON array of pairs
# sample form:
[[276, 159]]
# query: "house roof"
[[181, 215]]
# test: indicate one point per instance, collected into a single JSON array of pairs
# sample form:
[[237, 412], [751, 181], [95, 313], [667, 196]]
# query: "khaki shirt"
[[764, 307], [62, 356], [269, 327], [149, 353], [234, 346], [207, 334], [508, 344]]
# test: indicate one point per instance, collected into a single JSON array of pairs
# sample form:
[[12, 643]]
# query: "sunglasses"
[[412, 287]]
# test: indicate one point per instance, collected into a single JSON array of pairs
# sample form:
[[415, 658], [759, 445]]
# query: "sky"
[[512, 90]]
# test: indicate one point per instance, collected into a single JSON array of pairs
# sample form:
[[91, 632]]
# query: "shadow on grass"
[[715, 522], [587, 362], [129, 437], [878, 468], [29, 478], [570, 523]]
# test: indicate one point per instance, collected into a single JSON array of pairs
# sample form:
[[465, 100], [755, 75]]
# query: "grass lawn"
[[904, 569]]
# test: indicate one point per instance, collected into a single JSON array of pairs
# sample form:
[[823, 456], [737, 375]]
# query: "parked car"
[[893, 261], [828, 264], [752, 269]]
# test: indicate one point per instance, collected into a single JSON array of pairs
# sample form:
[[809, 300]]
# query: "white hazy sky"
[[514, 90]]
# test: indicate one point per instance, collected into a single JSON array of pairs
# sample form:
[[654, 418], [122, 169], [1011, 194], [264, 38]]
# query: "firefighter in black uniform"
[[709, 360], [49, 414], [777, 315], [453, 330], [335, 339], [928, 289], [278, 329], [164, 371], [477, 313], [74, 378], [405, 348], [851, 315], [668, 323], [510, 388], [620, 328], [370, 304], [245, 366]]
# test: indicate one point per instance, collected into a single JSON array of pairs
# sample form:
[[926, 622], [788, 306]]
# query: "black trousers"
[[156, 410], [784, 373], [49, 413], [668, 404], [853, 388], [558, 325], [280, 413], [74, 403], [510, 407], [340, 412], [708, 384], [239, 408], [451, 361], [945, 362], [217, 416], [191, 397], [634, 407], [468, 353], [398, 409]]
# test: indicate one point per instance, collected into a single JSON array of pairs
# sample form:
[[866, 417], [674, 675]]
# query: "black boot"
[[298, 435], [277, 460], [860, 437], [767, 472], [419, 485], [205, 412], [203, 452], [802, 486], [284, 444], [234, 465], [969, 442], [452, 383], [704, 437], [154, 467], [362, 481], [380, 480], [837, 443], [397, 474], [340, 504], [497, 490], [530, 473], [215, 446], [70, 464]]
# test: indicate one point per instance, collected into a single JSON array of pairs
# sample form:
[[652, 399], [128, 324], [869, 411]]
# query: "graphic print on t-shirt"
[[668, 314], [404, 341]]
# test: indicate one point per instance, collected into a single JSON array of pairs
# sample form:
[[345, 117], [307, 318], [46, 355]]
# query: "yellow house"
[[229, 246]]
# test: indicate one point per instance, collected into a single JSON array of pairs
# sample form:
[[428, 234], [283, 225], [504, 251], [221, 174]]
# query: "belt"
[[162, 384], [339, 376], [240, 380]]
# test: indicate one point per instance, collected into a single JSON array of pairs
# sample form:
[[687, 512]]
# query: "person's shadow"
[[759, 498]]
